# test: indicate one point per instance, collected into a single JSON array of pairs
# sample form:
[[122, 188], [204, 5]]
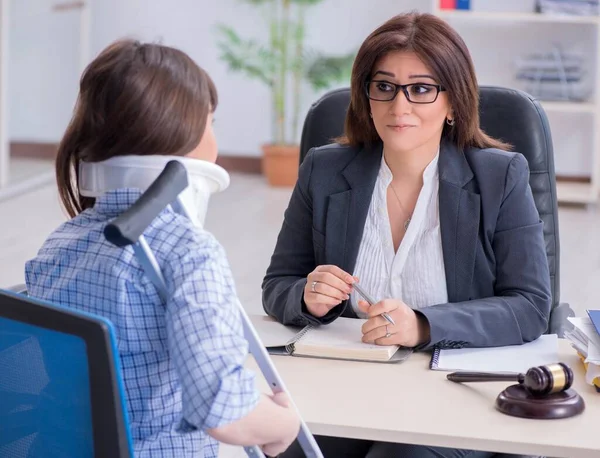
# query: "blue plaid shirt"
[[182, 362]]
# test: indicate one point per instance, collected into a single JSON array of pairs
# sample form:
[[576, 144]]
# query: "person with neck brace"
[[139, 106]]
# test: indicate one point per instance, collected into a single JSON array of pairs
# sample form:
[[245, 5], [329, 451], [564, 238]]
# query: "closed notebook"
[[595, 319], [338, 340]]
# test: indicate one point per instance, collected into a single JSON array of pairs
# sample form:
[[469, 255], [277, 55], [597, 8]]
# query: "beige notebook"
[[338, 340]]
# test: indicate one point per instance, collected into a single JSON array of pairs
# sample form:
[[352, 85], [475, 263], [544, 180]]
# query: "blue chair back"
[[61, 392]]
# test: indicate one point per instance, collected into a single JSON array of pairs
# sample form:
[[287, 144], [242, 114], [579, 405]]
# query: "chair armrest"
[[21, 288], [558, 319]]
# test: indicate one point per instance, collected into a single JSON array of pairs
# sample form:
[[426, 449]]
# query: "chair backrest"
[[507, 114], [61, 393]]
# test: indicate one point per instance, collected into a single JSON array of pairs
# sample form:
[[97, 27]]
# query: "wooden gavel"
[[539, 381]]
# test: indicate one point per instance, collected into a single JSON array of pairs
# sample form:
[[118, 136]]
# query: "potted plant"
[[283, 65]]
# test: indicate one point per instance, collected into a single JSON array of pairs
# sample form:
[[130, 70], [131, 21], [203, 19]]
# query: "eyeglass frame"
[[403, 87]]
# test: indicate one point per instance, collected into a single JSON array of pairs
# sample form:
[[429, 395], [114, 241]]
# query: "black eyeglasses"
[[384, 91]]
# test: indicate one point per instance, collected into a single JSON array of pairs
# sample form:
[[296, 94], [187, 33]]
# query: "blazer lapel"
[[459, 221], [347, 210]]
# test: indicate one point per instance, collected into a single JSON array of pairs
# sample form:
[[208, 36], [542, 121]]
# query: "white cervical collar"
[[204, 179]]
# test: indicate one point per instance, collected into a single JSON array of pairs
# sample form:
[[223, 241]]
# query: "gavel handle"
[[459, 377]]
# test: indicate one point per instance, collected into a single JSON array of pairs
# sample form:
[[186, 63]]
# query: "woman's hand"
[[411, 329], [326, 287]]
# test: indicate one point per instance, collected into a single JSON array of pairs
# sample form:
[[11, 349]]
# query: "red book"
[[448, 4]]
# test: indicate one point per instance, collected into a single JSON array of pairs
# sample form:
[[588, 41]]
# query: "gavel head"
[[544, 380]]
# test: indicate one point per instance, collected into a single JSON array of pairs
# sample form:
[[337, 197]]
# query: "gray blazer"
[[495, 260]]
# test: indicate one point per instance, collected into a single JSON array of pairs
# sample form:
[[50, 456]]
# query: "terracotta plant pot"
[[280, 164]]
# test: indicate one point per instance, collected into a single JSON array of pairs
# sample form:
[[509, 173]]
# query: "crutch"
[[128, 228]]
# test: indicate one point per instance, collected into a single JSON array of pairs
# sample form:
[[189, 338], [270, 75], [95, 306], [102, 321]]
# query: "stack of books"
[[585, 339], [455, 4]]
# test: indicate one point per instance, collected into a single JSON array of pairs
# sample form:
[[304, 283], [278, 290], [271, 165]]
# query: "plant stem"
[[274, 39], [283, 69], [298, 73]]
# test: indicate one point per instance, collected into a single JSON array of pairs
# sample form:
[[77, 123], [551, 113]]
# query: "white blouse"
[[415, 273]]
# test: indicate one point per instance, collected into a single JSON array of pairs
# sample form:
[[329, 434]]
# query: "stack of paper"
[[574, 7], [586, 340]]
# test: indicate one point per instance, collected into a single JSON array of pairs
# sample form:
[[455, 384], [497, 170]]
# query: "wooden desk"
[[408, 403]]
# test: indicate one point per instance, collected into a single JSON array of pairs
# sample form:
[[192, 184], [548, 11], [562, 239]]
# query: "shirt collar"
[[115, 202], [429, 174]]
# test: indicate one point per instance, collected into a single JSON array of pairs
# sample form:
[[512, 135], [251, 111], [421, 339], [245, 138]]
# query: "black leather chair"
[[508, 114]]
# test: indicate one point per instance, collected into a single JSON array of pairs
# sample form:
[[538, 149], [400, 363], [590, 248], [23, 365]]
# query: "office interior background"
[[45, 44]]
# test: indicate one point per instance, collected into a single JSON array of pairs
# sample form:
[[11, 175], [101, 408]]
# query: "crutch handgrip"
[[130, 225]]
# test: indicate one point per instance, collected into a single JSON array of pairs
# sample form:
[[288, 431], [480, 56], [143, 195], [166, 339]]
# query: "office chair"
[[507, 114], [60, 384]]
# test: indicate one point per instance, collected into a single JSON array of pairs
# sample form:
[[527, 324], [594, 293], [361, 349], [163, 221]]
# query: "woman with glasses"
[[415, 203]]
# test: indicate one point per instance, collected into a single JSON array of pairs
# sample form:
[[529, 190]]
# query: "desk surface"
[[409, 403]]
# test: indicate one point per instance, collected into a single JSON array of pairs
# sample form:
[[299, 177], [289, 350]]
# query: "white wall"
[[243, 119], [43, 70], [44, 62]]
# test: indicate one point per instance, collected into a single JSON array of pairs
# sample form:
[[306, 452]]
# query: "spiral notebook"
[[338, 340], [511, 358]]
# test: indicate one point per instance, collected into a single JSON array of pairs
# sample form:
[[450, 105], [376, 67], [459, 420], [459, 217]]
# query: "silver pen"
[[371, 301]]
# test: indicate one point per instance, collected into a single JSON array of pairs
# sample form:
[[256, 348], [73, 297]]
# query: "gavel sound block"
[[543, 392]]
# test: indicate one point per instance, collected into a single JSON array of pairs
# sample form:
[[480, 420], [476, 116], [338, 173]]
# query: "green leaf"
[[246, 56], [306, 2], [298, 31], [282, 59], [325, 71]]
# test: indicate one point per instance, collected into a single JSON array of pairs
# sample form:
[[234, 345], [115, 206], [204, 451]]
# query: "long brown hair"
[[134, 98], [440, 48]]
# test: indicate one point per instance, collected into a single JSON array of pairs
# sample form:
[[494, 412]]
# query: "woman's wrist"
[[424, 330]]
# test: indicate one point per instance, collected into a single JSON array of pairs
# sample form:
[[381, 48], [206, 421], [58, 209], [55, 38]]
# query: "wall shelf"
[[576, 193], [567, 192], [512, 17], [569, 107]]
